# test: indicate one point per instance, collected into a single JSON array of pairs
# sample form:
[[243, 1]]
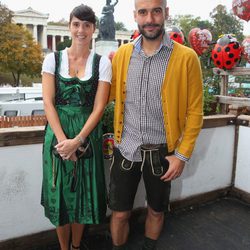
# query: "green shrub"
[[108, 118], [209, 102]]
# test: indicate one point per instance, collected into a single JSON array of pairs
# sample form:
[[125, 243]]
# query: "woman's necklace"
[[77, 65]]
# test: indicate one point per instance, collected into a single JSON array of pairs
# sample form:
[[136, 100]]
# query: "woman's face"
[[81, 31]]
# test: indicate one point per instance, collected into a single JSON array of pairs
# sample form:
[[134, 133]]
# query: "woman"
[[76, 84]]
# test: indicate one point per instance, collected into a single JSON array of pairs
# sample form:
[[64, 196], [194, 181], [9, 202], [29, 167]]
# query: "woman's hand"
[[67, 149]]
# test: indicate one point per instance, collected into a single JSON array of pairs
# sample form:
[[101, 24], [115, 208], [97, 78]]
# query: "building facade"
[[48, 36]]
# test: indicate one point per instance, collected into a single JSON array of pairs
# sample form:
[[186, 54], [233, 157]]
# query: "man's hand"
[[175, 169]]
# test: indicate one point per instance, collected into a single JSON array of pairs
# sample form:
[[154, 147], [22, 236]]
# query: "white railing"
[[212, 167]]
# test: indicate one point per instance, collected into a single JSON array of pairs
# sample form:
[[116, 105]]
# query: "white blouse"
[[105, 69]]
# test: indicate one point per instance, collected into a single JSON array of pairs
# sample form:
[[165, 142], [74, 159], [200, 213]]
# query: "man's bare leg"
[[119, 227], [153, 227]]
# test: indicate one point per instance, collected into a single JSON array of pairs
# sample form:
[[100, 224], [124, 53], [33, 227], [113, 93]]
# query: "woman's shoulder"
[[105, 61], [49, 57]]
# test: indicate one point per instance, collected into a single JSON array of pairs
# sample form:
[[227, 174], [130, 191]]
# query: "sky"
[[58, 9]]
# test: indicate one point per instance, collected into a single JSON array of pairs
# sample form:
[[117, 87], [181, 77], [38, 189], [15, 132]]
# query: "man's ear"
[[134, 15], [166, 13]]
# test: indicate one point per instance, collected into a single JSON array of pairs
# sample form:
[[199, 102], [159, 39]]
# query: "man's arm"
[[193, 124]]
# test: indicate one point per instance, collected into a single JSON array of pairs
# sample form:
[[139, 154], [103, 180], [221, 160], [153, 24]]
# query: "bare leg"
[[63, 234], [154, 223], [119, 227], [77, 231]]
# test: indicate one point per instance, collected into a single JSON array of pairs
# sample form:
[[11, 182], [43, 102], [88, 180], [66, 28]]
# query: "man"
[[157, 87]]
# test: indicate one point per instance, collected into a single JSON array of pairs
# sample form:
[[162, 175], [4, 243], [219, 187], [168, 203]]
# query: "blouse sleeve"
[[105, 69], [49, 64]]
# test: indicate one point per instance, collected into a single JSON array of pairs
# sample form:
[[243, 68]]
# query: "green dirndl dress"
[[87, 205]]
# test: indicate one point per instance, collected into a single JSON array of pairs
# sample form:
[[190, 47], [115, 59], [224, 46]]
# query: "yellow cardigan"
[[181, 96]]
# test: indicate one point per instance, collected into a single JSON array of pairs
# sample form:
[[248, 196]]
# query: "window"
[[37, 112], [10, 113]]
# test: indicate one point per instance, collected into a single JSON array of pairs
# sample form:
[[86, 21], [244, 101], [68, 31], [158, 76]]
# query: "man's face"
[[150, 16]]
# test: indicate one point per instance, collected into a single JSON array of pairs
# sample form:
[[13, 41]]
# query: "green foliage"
[[225, 23], [64, 44], [120, 26], [19, 54], [209, 101], [222, 22], [59, 23], [188, 22], [7, 78], [5, 15], [108, 118]]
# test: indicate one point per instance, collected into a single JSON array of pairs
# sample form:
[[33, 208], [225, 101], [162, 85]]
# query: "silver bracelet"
[[80, 139]]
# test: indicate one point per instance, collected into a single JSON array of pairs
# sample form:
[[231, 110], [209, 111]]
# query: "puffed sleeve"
[[49, 64], [105, 69]]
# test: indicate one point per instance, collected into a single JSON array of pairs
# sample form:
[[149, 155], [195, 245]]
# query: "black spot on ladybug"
[[236, 46], [175, 35], [231, 55], [219, 50], [218, 62], [228, 62], [215, 56], [227, 49]]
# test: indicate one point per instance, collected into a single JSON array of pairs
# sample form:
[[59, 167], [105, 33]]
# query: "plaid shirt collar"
[[166, 42]]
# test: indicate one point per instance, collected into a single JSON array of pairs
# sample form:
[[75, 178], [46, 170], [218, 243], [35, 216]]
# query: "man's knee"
[[154, 214], [121, 216]]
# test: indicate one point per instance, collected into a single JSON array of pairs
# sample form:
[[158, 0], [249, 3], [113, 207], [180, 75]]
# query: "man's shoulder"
[[128, 47]]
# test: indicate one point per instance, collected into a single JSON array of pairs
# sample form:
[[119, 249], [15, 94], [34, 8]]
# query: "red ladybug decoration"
[[226, 53], [241, 8], [135, 34], [199, 40], [176, 34], [246, 48]]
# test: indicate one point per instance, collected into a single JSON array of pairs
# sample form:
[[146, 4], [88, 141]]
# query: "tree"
[[225, 23], [5, 15], [188, 22], [19, 53], [62, 45], [120, 26]]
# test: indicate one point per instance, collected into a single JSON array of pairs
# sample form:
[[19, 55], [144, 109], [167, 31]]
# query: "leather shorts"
[[125, 176]]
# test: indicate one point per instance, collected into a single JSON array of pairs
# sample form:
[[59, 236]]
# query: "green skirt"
[[87, 205]]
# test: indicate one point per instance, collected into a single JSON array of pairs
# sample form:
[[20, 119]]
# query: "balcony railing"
[[219, 165]]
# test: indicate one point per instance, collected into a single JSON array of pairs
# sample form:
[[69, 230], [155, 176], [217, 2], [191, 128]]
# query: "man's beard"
[[151, 36]]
